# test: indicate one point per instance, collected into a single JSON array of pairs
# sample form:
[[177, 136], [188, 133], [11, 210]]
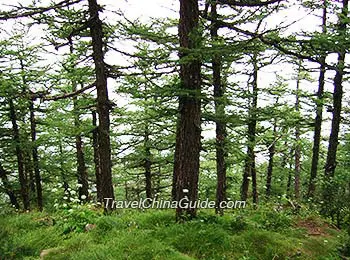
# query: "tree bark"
[[37, 175], [188, 135], [249, 169], [7, 187], [23, 180], [331, 161], [337, 101], [297, 165], [272, 149], [103, 105], [96, 157], [319, 110], [221, 134]]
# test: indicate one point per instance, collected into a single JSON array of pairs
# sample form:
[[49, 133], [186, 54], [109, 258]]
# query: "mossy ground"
[[242, 234]]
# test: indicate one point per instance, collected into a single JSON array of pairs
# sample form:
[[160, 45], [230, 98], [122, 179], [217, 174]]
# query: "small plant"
[[238, 223]]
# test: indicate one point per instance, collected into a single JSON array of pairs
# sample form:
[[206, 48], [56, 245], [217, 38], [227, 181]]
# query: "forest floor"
[[84, 233]]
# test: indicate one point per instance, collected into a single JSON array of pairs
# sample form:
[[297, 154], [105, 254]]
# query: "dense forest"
[[241, 101]]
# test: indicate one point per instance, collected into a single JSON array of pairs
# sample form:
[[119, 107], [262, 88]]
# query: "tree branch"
[[248, 3], [22, 11], [69, 95]]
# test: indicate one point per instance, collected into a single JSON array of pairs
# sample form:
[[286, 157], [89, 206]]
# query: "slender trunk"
[[79, 146], [96, 157], [319, 109], [28, 166], [250, 169], [7, 187], [82, 174], [188, 135], [290, 170], [63, 172], [37, 175], [337, 101], [297, 165], [331, 161], [103, 105], [23, 180], [148, 165], [28, 169], [221, 134], [272, 149]]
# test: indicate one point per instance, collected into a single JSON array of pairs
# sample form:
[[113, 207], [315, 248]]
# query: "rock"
[[45, 252], [89, 227]]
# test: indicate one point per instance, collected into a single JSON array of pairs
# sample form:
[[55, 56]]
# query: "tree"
[[188, 131], [103, 105], [221, 133], [319, 111]]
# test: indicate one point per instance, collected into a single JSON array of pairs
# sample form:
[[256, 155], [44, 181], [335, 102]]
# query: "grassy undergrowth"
[[243, 234]]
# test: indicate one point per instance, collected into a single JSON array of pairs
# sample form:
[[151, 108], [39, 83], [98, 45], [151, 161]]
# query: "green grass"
[[244, 234]]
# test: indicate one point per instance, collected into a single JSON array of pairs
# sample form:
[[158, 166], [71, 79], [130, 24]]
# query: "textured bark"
[[96, 157], [188, 135], [272, 149], [318, 118], [337, 102], [249, 169], [8, 187], [221, 134], [23, 180], [103, 105], [331, 161], [297, 165], [35, 156]]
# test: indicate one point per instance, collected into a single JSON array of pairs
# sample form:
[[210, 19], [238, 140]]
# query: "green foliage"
[[154, 235], [271, 219]]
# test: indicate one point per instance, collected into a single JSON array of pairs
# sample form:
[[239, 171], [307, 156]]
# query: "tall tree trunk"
[[220, 121], [96, 156], [7, 187], [337, 100], [37, 175], [23, 180], [331, 161], [272, 149], [82, 174], [297, 165], [319, 109], [188, 135], [249, 169], [103, 105], [148, 164], [79, 146]]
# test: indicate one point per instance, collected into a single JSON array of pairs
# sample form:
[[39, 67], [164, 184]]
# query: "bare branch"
[[69, 95], [248, 3], [22, 11]]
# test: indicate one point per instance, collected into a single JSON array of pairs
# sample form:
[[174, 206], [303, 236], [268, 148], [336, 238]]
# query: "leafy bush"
[[75, 219]]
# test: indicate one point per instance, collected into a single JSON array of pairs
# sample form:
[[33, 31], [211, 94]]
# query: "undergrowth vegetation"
[[265, 233]]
